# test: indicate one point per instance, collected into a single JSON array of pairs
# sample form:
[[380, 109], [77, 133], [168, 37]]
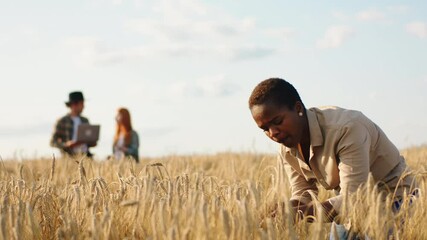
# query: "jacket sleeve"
[[132, 149], [353, 153], [58, 135], [300, 187]]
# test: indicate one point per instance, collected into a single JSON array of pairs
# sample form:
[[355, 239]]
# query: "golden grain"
[[222, 196]]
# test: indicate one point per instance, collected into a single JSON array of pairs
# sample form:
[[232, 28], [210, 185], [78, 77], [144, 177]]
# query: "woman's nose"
[[273, 131]]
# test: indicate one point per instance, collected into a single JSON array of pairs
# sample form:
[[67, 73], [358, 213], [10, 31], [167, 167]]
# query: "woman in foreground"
[[331, 146]]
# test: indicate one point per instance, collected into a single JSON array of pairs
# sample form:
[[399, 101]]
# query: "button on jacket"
[[346, 147]]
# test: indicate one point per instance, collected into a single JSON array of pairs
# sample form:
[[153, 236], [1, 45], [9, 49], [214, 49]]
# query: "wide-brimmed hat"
[[74, 97]]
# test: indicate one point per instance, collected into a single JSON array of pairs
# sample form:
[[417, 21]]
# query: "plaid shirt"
[[63, 132]]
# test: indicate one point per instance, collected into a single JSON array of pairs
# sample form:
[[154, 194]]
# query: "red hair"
[[124, 127]]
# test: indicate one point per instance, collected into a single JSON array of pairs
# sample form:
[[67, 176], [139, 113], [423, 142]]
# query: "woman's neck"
[[305, 140]]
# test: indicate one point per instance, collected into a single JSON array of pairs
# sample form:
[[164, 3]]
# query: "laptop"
[[88, 133]]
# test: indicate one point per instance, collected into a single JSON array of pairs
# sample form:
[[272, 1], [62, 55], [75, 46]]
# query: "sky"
[[185, 68]]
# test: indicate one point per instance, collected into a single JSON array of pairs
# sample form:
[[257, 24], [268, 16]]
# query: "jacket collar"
[[316, 137]]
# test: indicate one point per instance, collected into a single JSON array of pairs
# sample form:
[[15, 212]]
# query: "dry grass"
[[177, 197]]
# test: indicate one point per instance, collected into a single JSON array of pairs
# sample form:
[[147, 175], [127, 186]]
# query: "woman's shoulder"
[[134, 133], [336, 117], [335, 111], [331, 109]]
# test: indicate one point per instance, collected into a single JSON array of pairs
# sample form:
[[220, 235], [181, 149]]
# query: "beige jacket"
[[345, 148]]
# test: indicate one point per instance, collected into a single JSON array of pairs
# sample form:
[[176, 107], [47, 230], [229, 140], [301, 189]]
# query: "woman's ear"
[[299, 108]]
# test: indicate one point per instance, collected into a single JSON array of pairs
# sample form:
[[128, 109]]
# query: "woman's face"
[[119, 118], [279, 123]]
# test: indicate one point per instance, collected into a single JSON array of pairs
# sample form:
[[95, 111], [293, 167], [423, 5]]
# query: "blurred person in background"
[[331, 147], [126, 140], [64, 135]]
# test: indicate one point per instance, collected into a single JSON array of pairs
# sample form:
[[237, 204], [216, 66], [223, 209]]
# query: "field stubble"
[[222, 196]]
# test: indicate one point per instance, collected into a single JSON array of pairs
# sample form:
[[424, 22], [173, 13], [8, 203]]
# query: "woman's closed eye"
[[274, 122], [277, 121]]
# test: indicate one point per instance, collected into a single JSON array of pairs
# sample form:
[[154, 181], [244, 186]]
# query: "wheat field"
[[222, 196]]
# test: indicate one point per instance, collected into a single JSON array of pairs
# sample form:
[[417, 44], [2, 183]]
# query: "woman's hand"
[[271, 211]]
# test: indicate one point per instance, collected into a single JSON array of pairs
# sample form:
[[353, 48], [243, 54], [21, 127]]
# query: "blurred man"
[[65, 133]]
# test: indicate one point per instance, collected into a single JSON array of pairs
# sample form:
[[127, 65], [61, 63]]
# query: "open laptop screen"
[[87, 133]]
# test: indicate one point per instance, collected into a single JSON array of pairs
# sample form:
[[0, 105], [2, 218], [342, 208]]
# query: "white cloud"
[[340, 15], [187, 30], [83, 42], [177, 10], [23, 34], [221, 38], [85, 50], [174, 21], [398, 9], [181, 29], [179, 90], [250, 52], [418, 29], [334, 37], [135, 3], [214, 86], [89, 51], [117, 2], [370, 15], [282, 33]]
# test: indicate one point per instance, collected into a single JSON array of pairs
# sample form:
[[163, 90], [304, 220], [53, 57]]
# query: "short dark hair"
[[276, 91]]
